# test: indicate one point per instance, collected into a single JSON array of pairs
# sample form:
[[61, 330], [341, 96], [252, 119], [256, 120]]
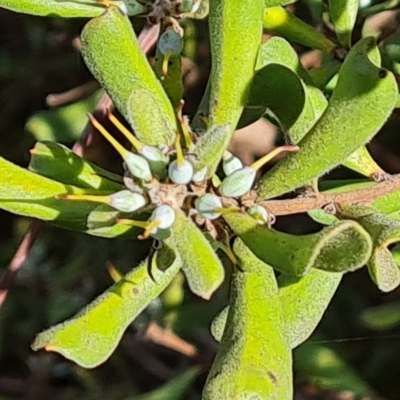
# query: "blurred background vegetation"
[[355, 352]]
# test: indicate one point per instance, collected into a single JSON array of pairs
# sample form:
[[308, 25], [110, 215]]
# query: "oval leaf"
[[202, 267], [361, 86], [127, 77], [344, 15], [254, 358], [342, 247], [92, 335]]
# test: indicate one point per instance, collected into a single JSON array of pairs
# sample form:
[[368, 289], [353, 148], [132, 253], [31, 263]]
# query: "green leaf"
[[322, 75], [232, 68], [267, 91], [344, 15], [219, 323], [271, 3], [287, 25], [54, 8], [57, 162], [65, 8], [209, 149], [342, 247], [127, 77], [175, 389], [383, 317], [361, 86], [326, 369], [172, 82], [304, 301], [92, 335], [63, 124], [384, 231], [254, 358], [306, 104], [362, 162], [26, 193], [202, 267]]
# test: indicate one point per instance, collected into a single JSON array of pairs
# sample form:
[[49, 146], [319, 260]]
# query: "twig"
[[168, 339], [364, 196], [71, 96], [9, 275]]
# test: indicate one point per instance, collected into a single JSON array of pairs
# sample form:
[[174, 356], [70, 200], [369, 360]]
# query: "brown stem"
[[8, 277], [363, 196]]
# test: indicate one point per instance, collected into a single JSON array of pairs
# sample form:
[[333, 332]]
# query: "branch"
[[364, 196]]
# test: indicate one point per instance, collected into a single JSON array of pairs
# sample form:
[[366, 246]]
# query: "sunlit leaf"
[[127, 77], [361, 86], [254, 359], [93, 334]]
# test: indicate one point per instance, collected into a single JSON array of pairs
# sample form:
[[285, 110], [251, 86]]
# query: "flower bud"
[[230, 163], [207, 204], [170, 43], [158, 161], [165, 214], [260, 214], [238, 183], [180, 174], [138, 166], [127, 201]]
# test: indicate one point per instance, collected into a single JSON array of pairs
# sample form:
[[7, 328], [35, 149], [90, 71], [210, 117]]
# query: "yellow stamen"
[[131, 222], [85, 197], [114, 273], [164, 67], [150, 227], [184, 127], [120, 149], [272, 154], [179, 152], [132, 139]]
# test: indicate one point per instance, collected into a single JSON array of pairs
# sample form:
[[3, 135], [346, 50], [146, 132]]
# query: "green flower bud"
[[153, 154], [230, 163], [138, 166], [207, 204], [260, 214], [165, 214], [238, 183], [158, 161], [127, 201], [180, 174], [170, 43]]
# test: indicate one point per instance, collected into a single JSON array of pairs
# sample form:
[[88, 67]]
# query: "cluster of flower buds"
[[149, 165]]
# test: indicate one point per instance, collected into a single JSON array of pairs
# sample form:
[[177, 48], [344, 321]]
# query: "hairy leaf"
[[62, 124], [344, 14], [112, 53], [202, 267], [342, 247], [254, 358], [287, 25], [232, 68], [92, 335], [57, 162], [361, 86]]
